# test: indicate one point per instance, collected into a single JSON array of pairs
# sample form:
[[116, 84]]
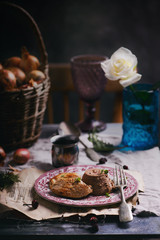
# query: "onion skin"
[[32, 83], [2, 154], [28, 62], [7, 80], [12, 62], [19, 74], [36, 75], [21, 156]]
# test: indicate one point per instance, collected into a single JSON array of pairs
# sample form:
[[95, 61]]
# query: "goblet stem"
[[90, 112], [90, 124]]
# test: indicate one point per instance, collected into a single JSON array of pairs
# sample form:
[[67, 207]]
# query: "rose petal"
[[135, 78], [122, 66], [126, 54], [106, 66]]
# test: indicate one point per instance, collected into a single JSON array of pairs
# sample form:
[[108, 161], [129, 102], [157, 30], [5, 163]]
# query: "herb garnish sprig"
[[78, 179], [7, 179], [104, 171], [107, 194]]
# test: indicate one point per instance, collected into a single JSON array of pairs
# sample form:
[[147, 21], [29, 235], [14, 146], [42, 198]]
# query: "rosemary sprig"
[[7, 179], [101, 146]]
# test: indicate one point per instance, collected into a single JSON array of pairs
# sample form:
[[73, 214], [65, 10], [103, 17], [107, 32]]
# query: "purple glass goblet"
[[89, 81]]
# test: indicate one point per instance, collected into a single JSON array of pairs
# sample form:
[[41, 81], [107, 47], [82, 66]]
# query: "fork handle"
[[125, 213]]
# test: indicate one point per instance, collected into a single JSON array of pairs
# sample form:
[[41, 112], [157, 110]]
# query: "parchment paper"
[[23, 192]]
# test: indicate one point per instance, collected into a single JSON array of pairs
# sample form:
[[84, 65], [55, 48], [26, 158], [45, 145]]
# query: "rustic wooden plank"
[[61, 81]]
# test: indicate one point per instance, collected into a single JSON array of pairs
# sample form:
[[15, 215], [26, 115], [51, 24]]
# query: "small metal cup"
[[64, 150]]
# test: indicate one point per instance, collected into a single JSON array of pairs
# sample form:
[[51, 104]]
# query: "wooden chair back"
[[61, 81]]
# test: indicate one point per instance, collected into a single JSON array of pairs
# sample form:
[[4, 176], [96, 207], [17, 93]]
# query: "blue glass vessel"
[[140, 117]]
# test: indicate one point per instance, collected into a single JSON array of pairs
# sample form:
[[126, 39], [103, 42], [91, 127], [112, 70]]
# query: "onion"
[[12, 62], [28, 62], [2, 154], [19, 74], [7, 80], [1, 67], [36, 75], [21, 156]]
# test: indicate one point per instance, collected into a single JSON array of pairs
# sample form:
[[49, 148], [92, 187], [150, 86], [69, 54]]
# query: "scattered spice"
[[94, 224], [33, 205], [94, 228], [93, 220], [2, 154], [102, 160], [7, 179], [125, 167], [133, 209]]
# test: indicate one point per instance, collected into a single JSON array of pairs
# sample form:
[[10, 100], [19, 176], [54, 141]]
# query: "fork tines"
[[119, 176]]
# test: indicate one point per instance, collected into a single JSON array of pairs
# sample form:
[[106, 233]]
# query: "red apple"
[[21, 156], [2, 154]]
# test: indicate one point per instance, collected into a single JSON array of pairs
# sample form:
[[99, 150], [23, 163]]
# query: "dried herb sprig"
[[7, 179]]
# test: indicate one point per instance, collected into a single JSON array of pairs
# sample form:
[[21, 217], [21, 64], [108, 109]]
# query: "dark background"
[[71, 27]]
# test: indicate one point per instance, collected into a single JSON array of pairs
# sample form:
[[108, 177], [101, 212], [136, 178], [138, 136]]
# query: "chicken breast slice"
[[69, 185]]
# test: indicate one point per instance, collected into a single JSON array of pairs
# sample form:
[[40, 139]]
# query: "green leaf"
[[101, 146], [142, 116], [142, 96]]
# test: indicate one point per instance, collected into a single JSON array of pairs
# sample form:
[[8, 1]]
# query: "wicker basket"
[[22, 111]]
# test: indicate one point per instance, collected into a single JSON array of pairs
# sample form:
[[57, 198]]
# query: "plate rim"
[[84, 205]]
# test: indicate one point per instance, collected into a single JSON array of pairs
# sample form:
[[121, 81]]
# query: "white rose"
[[122, 66]]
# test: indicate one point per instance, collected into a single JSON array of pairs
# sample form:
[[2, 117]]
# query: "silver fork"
[[120, 181]]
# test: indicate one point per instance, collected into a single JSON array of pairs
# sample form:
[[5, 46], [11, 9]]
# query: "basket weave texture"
[[22, 111]]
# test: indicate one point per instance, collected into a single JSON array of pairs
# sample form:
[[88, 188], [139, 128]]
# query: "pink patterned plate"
[[42, 188]]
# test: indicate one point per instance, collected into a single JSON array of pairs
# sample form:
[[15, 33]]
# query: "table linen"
[[147, 163]]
